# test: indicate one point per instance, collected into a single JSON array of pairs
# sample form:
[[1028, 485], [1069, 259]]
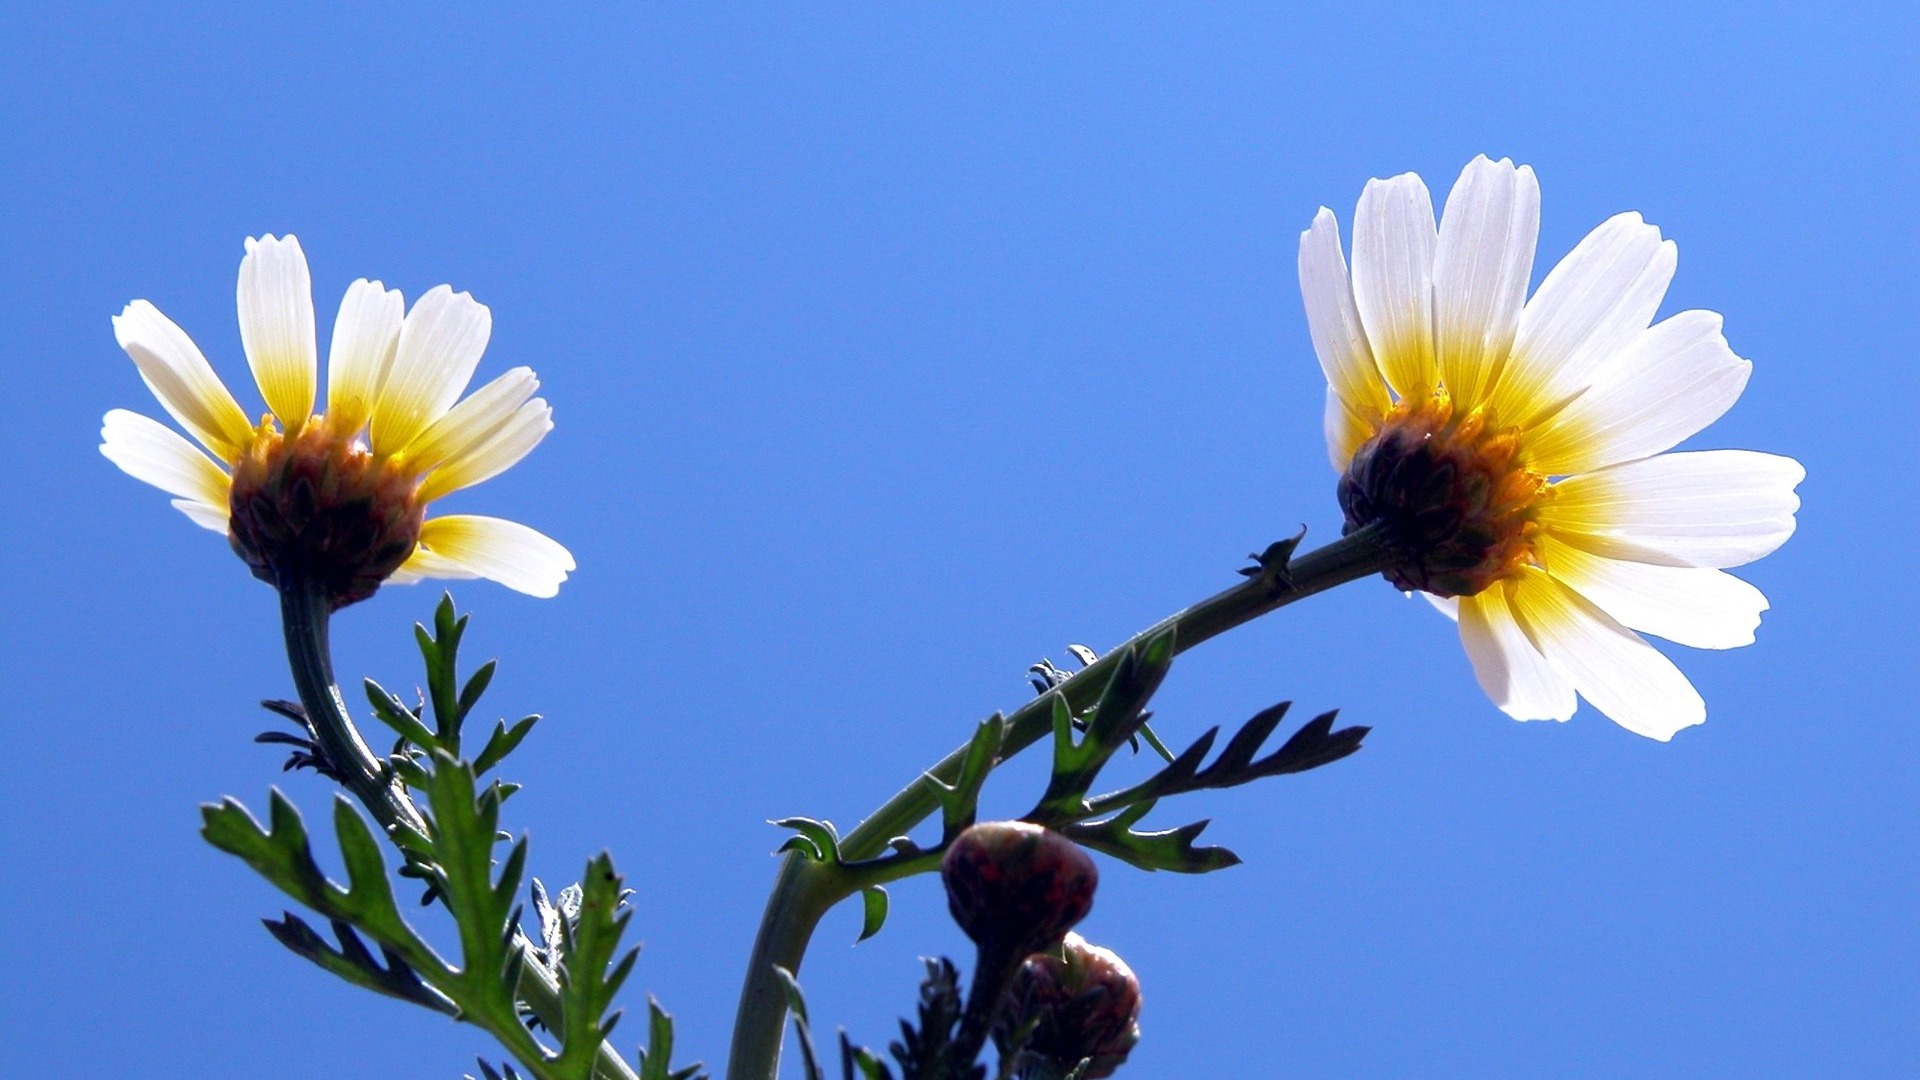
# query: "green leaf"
[[1122, 705], [394, 713], [590, 976], [366, 868], [959, 801], [797, 1005], [1172, 849], [477, 684], [353, 962], [656, 1059], [873, 904], [1314, 745], [1115, 719], [859, 1057], [821, 839], [502, 742], [283, 855], [441, 652], [464, 826]]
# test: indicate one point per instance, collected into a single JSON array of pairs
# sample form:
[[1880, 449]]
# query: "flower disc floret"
[[314, 508], [1451, 495]]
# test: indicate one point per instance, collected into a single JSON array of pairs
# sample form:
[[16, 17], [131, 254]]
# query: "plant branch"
[[305, 616], [805, 888]]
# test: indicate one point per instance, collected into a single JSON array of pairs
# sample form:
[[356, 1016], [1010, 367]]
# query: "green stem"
[[305, 614], [806, 889]]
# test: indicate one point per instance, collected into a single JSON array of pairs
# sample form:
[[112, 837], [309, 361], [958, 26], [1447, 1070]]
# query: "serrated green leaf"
[[589, 975], [352, 962], [1172, 849], [441, 652], [366, 868]]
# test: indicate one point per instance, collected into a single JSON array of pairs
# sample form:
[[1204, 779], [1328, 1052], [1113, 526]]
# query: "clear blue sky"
[[891, 349]]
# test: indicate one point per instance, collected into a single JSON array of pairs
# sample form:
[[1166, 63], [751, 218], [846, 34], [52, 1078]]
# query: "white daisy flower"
[[338, 498], [1514, 448]]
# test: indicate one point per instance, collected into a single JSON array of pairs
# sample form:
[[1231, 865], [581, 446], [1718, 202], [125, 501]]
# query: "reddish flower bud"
[[1016, 888], [1084, 1004]]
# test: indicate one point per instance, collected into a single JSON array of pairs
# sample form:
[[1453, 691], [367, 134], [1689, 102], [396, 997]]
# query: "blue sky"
[[892, 349]]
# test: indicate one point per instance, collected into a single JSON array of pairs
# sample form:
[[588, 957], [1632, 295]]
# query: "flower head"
[[1513, 449], [338, 498]]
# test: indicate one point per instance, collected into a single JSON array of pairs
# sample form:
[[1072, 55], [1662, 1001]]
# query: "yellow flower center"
[[1450, 494], [314, 508]]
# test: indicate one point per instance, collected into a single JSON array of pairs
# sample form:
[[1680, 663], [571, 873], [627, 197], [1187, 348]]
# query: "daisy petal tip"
[[1662, 722], [1528, 713]]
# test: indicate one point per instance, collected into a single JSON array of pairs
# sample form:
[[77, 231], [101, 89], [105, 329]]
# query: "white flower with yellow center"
[[1514, 449], [337, 499]]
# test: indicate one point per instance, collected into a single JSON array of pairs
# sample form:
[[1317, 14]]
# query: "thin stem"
[[805, 889], [305, 613]]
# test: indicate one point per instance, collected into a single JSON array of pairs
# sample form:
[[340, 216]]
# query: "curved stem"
[[805, 889], [305, 614]]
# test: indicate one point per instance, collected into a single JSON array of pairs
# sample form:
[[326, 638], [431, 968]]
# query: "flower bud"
[[1015, 887], [1083, 1004]]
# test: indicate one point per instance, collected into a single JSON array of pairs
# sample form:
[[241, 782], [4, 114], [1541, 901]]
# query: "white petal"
[[1334, 322], [440, 344], [276, 326], [1481, 266], [182, 379], [1612, 667], [205, 515], [499, 451], [1707, 609], [1714, 508], [1393, 241], [150, 451], [1345, 431], [1445, 605], [1510, 669], [1588, 310], [365, 334], [473, 420], [504, 551], [1674, 379], [423, 564]]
